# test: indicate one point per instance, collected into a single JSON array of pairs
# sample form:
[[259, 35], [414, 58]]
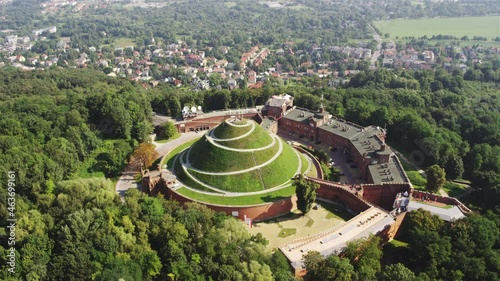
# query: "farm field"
[[488, 27]]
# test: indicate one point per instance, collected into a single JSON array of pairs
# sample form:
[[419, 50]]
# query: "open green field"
[[488, 27], [454, 189], [176, 136], [124, 42], [230, 4]]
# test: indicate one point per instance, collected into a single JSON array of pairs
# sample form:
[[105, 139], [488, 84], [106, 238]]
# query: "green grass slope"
[[209, 158], [278, 172], [225, 131], [258, 138]]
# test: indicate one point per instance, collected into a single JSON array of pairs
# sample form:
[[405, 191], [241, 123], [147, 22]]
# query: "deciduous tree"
[[306, 194], [144, 155], [436, 177]]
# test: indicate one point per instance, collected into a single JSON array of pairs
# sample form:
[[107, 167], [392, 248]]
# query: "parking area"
[[349, 172]]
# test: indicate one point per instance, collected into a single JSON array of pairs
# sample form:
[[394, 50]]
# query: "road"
[[378, 51], [127, 181]]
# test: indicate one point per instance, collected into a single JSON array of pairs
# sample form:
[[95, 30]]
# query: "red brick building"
[[303, 122], [278, 105]]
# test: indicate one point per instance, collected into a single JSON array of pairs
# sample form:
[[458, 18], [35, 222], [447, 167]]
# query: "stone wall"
[[256, 212], [337, 194], [384, 194]]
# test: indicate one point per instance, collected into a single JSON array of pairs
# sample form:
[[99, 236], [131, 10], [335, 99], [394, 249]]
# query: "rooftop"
[[267, 123], [365, 139], [279, 101], [386, 172], [334, 240], [303, 115], [447, 214]]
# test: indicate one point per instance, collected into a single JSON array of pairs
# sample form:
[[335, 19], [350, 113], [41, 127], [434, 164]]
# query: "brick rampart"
[[383, 194], [441, 199], [256, 212], [340, 195]]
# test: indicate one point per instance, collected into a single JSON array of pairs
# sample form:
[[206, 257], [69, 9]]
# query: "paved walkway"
[[127, 180]]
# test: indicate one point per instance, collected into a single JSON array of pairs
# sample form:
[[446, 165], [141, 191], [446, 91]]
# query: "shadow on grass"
[[270, 198], [336, 210], [170, 162]]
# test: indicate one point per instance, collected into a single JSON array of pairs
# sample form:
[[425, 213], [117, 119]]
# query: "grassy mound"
[[258, 138], [207, 157], [225, 131], [278, 172]]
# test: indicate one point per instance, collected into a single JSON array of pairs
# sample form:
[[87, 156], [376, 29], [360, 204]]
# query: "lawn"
[[416, 179], [454, 189], [207, 157], [487, 26], [225, 131], [124, 42], [398, 243], [305, 163], [335, 211], [230, 4], [240, 200], [176, 136], [285, 232], [257, 139]]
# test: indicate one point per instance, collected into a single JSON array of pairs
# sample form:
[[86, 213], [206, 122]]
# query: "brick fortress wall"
[[256, 212]]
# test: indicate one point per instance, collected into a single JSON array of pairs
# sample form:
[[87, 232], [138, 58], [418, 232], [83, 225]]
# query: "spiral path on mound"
[[185, 162], [220, 192], [207, 186]]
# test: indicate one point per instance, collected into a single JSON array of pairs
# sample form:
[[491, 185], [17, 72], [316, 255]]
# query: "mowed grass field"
[[488, 27]]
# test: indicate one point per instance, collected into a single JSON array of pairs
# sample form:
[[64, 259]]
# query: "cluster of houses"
[[410, 58], [54, 6], [182, 65]]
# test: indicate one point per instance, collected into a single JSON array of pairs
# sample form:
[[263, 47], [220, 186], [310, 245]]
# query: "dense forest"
[[61, 126]]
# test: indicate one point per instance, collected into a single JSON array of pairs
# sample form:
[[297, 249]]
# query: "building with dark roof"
[[365, 146], [303, 122]]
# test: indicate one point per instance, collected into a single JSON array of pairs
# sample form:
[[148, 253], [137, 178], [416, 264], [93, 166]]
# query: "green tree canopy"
[[436, 177], [306, 193]]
